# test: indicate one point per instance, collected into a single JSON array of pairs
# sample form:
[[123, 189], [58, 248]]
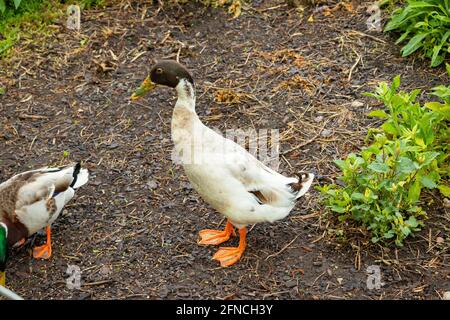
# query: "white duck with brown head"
[[227, 177]]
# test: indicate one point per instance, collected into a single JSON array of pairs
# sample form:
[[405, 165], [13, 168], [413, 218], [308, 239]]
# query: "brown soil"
[[133, 229]]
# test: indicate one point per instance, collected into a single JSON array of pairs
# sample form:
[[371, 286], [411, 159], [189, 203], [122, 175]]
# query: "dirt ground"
[[133, 229]]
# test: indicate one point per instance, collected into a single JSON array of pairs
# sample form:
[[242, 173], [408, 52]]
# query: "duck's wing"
[[35, 195], [266, 185]]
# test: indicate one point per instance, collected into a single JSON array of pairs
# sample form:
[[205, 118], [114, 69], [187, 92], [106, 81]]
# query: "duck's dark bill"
[[144, 88]]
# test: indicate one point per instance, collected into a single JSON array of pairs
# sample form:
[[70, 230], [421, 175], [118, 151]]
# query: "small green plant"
[[425, 24], [234, 6], [382, 184], [88, 4]]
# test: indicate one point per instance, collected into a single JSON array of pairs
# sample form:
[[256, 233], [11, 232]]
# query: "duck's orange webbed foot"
[[44, 251], [230, 255], [215, 237]]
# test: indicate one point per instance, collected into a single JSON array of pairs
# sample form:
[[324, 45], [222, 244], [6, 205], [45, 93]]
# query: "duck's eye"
[[159, 71]]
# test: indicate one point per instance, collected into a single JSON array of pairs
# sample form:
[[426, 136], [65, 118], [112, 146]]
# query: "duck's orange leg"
[[230, 255], [44, 251], [209, 236]]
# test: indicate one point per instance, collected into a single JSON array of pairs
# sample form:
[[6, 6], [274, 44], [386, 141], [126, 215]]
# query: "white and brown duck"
[[228, 177], [31, 201]]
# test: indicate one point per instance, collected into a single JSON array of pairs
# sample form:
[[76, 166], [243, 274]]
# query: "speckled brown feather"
[[9, 194], [8, 201], [266, 197]]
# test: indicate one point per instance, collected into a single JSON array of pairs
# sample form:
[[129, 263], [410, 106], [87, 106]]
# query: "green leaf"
[[405, 230], [378, 167], [406, 165], [390, 234], [341, 164], [437, 49], [412, 222], [17, 3], [400, 17], [429, 157], [445, 190], [378, 113], [358, 196], [402, 37], [447, 67], [414, 191], [428, 182], [390, 128], [2, 6], [337, 209], [395, 83], [442, 108], [413, 44]]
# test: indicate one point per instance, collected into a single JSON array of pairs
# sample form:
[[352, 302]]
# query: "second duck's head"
[[166, 73]]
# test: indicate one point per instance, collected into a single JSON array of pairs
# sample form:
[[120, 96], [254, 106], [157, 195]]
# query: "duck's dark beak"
[[143, 89]]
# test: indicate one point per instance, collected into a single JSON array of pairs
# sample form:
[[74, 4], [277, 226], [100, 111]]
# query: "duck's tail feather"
[[80, 176], [302, 186]]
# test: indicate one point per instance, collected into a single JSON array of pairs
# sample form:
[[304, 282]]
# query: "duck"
[[226, 176], [31, 201]]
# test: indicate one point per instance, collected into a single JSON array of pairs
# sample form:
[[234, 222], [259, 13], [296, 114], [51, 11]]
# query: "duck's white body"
[[228, 177]]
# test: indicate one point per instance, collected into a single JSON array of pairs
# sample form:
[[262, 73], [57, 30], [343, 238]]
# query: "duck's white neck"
[[186, 95]]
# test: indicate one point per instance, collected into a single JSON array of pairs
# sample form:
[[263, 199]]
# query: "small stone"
[[440, 240], [113, 145], [326, 133], [95, 182], [152, 184], [186, 186], [446, 203], [339, 280], [183, 294], [163, 292], [291, 283], [168, 205], [317, 263], [446, 295], [293, 71], [357, 104], [318, 119], [104, 270]]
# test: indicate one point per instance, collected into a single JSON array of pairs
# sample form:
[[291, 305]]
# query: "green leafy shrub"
[[28, 19], [10, 3], [234, 6], [382, 183], [15, 4], [426, 26]]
